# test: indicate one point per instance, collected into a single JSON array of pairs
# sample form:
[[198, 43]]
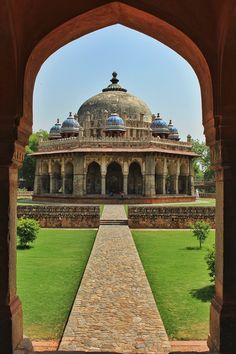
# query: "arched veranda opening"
[[114, 179], [132, 18]]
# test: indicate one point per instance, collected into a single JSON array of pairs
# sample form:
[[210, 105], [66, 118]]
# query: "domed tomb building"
[[114, 146]]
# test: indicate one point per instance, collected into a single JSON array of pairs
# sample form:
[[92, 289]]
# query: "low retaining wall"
[[116, 199], [169, 217], [61, 216]]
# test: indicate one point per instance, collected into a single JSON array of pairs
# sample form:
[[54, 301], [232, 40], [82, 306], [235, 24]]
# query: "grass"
[[177, 274], [48, 278]]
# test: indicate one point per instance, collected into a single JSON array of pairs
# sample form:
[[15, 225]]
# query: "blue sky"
[[146, 68]]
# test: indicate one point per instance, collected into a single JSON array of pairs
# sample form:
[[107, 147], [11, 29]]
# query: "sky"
[[146, 68]]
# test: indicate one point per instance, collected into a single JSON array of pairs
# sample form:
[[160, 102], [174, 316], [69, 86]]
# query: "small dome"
[[115, 122], [159, 126], [174, 134], [70, 126], [55, 131]]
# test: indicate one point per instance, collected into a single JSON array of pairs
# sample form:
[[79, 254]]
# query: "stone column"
[[37, 178], [78, 179], [125, 184], [103, 177], [175, 184], [190, 185], [190, 179], [50, 177], [11, 330], [51, 183], [63, 177], [150, 176], [63, 184]]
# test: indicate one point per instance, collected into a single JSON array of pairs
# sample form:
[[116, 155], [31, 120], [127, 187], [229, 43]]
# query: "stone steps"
[[113, 222]]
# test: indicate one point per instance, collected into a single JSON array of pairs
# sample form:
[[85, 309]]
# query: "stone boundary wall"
[[169, 217], [61, 216], [24, 194], [207, 195]]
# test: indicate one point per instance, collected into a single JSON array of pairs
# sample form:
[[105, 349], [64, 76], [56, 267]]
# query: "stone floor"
[[114, 310]]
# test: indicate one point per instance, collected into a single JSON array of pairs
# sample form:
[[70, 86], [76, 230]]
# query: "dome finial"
[[114, 80], [58, 120]]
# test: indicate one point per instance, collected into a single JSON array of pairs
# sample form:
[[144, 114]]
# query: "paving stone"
[[114, 309]]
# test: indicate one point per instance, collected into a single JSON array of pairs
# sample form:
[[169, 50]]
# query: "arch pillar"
[[79, 179], [63, 177], [223, 306], [125, 177], [150, 176], [38, 177], [11, 327], [125, 184], [103, 176]]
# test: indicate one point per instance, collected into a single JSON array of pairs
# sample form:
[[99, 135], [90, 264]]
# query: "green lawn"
[[177, 274], [48, 278]]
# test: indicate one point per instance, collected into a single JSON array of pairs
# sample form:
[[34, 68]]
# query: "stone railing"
[[82, 142], [169, 217], [61, 216]]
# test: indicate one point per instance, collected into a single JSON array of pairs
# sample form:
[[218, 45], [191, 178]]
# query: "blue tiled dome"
[[174, 134], [115, 122], [70, 126], [159, 126], [55, 131]]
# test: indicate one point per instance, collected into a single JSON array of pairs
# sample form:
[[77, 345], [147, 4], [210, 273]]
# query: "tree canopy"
[[27, 171], [202, 164]]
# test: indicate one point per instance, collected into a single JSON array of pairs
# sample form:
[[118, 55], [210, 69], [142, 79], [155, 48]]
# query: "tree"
[[210, 261], [201, 230], [202, 164], [27, 231], [27, 171]]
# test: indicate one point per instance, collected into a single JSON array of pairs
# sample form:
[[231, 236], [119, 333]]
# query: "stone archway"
[[93, 179], [209, 47], [114, 179], [135, 179]]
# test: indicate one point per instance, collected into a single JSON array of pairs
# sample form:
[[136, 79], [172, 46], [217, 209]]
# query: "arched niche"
[[183, 179], [56, 177], [69, 178], [159, 175], [114, 179], [93, 178], [135, 179]]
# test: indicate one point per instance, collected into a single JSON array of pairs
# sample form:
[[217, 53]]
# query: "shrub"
[[201, 230], [210, 261], [27, 231]]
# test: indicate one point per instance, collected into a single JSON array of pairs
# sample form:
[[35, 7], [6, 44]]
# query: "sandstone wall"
[[169, 217], [61, 216]]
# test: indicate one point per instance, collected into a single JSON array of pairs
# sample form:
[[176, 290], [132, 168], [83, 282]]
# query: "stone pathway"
[[114, 310]]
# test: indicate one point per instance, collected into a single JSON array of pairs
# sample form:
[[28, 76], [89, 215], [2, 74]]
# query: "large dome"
[[114, 99]]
